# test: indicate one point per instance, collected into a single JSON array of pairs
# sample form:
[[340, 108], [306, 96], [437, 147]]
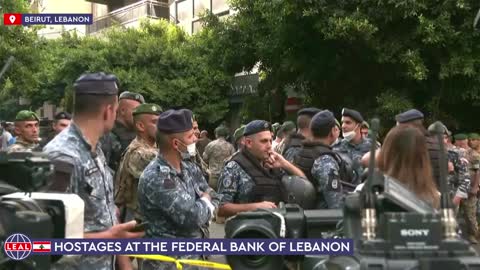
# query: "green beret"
[[239, 133], [221, 131], [460, 137], [288, 126], [26, 115], [365, 124], [133, 96], [148, 108], [474, 136]]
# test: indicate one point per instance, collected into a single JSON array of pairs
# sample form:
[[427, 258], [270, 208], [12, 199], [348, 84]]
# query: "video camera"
[[36, 215], [390, 226]]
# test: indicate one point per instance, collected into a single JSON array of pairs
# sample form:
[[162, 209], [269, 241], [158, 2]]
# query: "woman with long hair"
[[404, 156]]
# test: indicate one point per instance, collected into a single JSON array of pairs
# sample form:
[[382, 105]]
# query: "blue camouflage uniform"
[[459, 180], [170, 202], [92, 180], [235, 185], [326, 173], [355, 152], [86, 173]]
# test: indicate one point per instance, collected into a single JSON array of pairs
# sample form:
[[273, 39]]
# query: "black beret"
[[96, 84], [324, 118], [308, 111], [355, 115], [63, 115], [410, 115], [133, 96], [175, 121], [257, 126]]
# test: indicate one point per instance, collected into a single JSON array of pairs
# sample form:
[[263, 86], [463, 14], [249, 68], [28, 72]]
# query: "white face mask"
[[348, 136], [192, 149]]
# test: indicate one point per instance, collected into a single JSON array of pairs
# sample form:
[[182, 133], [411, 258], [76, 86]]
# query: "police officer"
[[174, 197], [81, 167], [252, 177], [216, 153], [323, 167], [414, 118], [458, 177], [294, 141], [116, 141], [61, 121], [353, 146], [136, 157], [27, 130]]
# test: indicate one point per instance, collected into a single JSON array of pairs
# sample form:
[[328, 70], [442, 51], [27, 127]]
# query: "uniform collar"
[[77, 131], [172, 170]]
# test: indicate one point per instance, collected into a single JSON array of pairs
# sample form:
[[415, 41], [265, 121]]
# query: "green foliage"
[[347, 53], [158, 60]]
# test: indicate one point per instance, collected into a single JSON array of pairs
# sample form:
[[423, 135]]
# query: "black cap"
[[355, 115], [133, 96], [308, 111], [175, 121], [410, 115], [63, 115], [323, 119], [96, 84], [257, 126]]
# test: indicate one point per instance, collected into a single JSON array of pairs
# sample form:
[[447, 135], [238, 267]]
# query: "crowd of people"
[[132, 161]]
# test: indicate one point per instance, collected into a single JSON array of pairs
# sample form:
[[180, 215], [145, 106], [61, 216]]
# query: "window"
[[219, 6], [184, 10], [200, 6]]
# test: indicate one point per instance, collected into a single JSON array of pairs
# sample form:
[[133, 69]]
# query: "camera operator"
[[252, 177], [81, 167]]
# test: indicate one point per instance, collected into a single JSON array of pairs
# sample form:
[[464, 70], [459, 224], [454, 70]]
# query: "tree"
[[22, 78], [379, 57]]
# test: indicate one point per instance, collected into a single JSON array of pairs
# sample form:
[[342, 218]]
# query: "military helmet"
[[300, 191]]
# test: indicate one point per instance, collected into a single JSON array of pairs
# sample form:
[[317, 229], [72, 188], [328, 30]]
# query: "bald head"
[[125, 109]]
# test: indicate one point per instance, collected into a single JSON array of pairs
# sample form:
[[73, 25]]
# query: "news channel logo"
[[18, 246]]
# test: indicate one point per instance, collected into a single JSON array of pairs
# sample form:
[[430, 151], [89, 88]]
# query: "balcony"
[[130, 14]]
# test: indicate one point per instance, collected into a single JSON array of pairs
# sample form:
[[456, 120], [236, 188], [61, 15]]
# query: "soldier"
[[216, 153], [364, 129], [203, 141], [196, 130], [461, 141], [81, 168], [173, 195], [61, 121], [252, 177], [136, 157], [238, 137], [294, 141], [353, 146], [285, 130], [27, 130], [469, 206], [116, 141], [414, 118]]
